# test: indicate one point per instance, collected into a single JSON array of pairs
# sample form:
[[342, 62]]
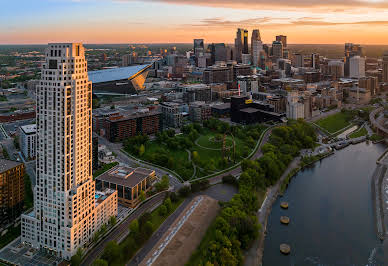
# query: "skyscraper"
[[315, 61], [385, 67], [282, 39], [245, 47], [238, 43], [277, 49], [256, 47], [218, 52], [67, 212], [350, 51], [357, 67], [199, 46]]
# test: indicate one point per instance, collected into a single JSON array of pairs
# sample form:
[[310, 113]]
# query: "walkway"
[[254, 255]]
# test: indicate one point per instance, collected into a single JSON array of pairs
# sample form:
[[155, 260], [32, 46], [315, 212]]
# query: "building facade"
[[11, 191], [27, 140], [118, 128], [357, 67], [171, 114], [66, 212], [128, 182]]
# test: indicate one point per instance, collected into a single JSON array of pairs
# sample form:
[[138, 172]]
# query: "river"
[[331, 214]]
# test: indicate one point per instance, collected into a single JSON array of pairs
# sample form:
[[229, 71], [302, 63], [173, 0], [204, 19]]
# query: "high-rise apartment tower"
[[67, 209]]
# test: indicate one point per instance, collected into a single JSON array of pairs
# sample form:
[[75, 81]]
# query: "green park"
[[336, 122], [199, 150]]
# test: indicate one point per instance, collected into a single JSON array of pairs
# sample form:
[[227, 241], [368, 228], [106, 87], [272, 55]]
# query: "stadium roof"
[[113, 74]]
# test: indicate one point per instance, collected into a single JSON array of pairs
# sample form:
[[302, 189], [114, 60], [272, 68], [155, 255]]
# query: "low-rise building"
[[129, 182], [27, 141]]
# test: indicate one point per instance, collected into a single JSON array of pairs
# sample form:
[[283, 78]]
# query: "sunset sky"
[[178, 21]]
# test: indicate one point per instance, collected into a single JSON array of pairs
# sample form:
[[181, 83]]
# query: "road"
[[121, 230], [154, 239], [123, 158]]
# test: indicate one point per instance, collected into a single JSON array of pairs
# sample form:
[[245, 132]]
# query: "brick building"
[[118, 128]]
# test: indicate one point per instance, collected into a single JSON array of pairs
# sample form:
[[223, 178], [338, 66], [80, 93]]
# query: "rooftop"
[[132, 114], [126, 176], [250, 110], [113, 74], [29, 129], [7, 164]]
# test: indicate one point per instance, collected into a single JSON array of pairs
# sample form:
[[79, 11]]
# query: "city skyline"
[[301, 21]]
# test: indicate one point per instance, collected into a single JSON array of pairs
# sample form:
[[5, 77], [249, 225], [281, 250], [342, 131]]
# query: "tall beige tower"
[[65, 215]]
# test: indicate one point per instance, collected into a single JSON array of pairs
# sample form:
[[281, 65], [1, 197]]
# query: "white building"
[[248, 84], [67, 212], [257, 48], [27, 140], [294, 107], [357, 67]]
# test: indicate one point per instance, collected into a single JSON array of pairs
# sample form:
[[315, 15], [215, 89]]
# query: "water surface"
[[332, 220]]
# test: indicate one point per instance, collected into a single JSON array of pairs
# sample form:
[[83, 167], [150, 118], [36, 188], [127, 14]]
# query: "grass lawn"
[[336, 122], [359, 133], [376, 137], [180, 157], [209, 150]]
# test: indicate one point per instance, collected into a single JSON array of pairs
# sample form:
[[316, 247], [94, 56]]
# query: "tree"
[[143, 219], [168, 204], [229, 179], [148, 228], [77, 258], [111, 252], [174, 197], [103, 229], [112, 220], [141, 150], [134, 226], [100, 262], [142, 196], [163, 184], [162, 210]]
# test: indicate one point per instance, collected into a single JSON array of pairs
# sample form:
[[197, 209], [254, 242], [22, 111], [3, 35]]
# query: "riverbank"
[[323, 200], [272, 195], [254, 255]]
